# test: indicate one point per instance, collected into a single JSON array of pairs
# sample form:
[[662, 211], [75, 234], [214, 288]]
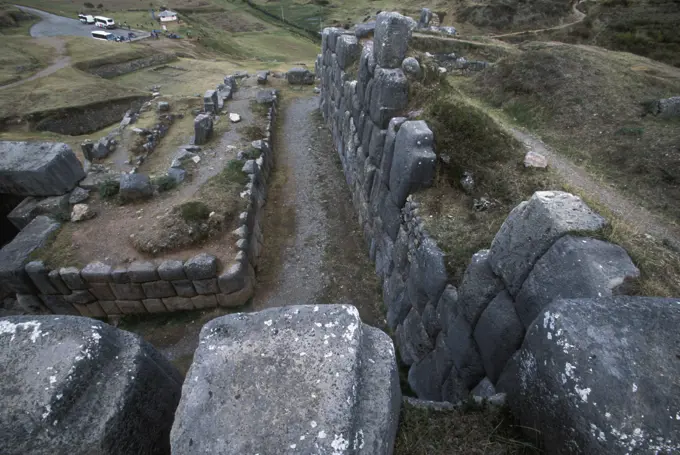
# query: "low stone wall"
[[457, 340], [111, 70], [99, 290]]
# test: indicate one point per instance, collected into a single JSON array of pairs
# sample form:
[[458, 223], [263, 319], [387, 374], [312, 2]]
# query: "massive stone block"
[[600, 376], [498, 334], [203, 129], [15, 255], [427, 377], [412, 339], [328, 382], [478, 287], [78, 386], [38, 168], [392, 33], [531, 229], [575, 267], [414, 161], [347, 51], [55, 206], [389, 95], [300, 76], [210, 101]]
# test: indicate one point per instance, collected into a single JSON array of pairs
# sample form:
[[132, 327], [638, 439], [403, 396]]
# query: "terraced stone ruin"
[[542, 320]]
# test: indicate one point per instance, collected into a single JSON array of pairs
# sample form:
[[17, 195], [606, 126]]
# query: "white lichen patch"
[[268, 323], [349, 333], [339, 444], [359, 440], [7, 327], [321, 435], [583, 393]]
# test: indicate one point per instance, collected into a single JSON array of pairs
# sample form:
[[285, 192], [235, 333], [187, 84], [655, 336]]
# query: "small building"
[[167, 16]]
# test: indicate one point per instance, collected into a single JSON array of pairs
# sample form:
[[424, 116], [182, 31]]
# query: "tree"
[[100, 6], [89, 5]]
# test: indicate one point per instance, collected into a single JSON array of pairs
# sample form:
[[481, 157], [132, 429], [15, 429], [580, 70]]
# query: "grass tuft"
[[165, 183], [109, 189], [193, 211]]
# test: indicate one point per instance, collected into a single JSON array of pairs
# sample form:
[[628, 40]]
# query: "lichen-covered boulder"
[[135, 186], [79, 386], [300, 76], [392, 33], [203, 129], [600, 376], [296, 379]]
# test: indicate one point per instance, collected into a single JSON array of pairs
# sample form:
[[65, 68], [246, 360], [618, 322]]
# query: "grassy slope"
[[22, 56], [65, 88]]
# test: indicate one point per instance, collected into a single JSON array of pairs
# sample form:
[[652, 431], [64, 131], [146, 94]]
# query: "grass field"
[[67, 87], [22, 56]]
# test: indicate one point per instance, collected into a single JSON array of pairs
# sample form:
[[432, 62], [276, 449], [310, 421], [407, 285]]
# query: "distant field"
[[65, 88], [22, 56]]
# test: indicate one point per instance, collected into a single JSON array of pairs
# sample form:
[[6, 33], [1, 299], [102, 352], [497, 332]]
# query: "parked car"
[[86, 18]]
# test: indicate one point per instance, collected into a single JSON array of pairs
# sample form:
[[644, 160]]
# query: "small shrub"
[[165, 183], [253, 132], [88, 5], [233, 173], [100, 6], [109, 189], [194, 211]]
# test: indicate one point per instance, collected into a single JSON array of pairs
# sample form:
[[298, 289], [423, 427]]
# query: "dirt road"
[[61, 60], [314, 251]]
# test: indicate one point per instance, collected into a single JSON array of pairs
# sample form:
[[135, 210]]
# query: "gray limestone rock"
[[201, 267], [484, 389], [266, 97], [414, 161], [345, 387], [600, 376], [365, 30], [300, 76], [411, 68], [96, 272], [171, 270], [464, 351], [531, 229], [38, 168], [158, 289], [389, 95], [163, 106], [347, 51], [210, 102], [16, 254], [142, 271], [425, 18], [427, 376], [78, 195], [39, 274], [56, 207], [203, 129], [176, 174], [575, 267], [135, 187], [412, 339], [78, 386], [454, 389], [498, 334], [392, 34], [478, 287]]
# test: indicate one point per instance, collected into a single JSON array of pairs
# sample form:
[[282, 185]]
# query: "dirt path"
[[62, 60], [314, 251], [608, 196], [580, 16]]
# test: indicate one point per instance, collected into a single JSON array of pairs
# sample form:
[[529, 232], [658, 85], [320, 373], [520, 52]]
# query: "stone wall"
[[99, 290], [452, 339]]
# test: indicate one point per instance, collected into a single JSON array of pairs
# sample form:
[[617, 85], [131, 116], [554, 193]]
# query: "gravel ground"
[[314, 251]]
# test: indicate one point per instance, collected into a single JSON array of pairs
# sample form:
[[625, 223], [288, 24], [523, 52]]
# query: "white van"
[[104, 22], [106, 36], [86, 18]]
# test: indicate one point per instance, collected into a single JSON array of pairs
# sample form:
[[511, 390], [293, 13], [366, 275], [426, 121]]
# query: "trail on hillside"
[[62, 60], [630, 212], [580, 17], [314, 251]]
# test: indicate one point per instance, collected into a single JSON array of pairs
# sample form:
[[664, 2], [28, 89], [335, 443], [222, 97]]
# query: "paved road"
[[53, 25]]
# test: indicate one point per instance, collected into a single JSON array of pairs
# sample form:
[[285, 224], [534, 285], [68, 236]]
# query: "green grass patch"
[[109, 189], [253, 132], [193, 211], [58, 250], [22, 56], [165, 183]]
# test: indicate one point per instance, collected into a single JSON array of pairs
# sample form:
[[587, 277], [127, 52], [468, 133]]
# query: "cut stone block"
[[38, 168], [75, 385], [286, 347], [414, 161]]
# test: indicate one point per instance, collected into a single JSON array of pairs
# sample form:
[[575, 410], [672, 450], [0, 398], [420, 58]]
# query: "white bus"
[[86, 18], [104, 22], [106, 36]]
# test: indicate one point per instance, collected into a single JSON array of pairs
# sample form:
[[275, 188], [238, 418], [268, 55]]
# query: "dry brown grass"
[[465, 431], [588, 103]]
